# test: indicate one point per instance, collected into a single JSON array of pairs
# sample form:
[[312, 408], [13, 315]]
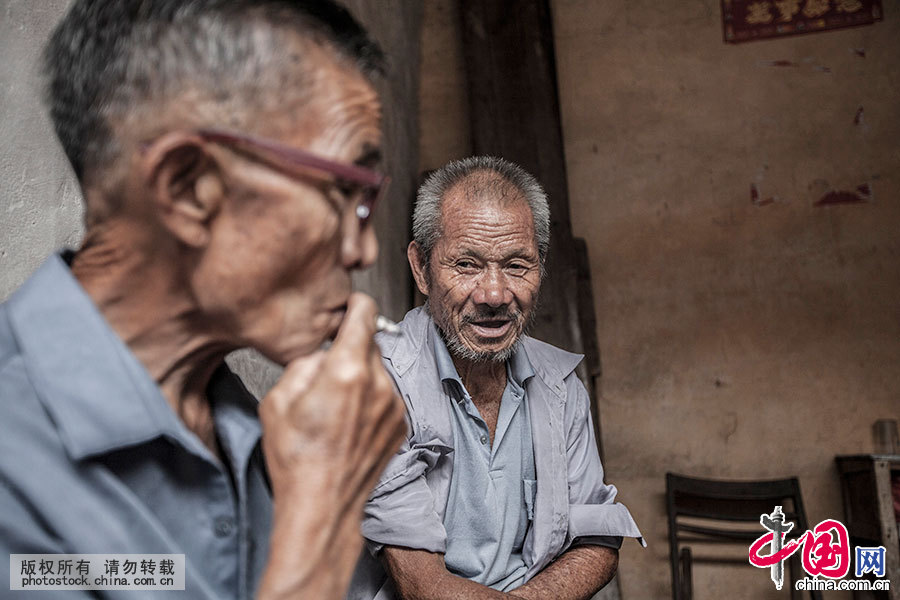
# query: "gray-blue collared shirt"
[[491, 498], [94, 461], [410, 500]]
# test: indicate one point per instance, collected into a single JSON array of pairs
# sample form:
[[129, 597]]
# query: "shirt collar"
[[445, 367], [99, 396], [518, 367]]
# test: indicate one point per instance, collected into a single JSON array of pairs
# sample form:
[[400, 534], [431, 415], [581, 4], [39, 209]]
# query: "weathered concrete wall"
[[40, 202], [744, 334]]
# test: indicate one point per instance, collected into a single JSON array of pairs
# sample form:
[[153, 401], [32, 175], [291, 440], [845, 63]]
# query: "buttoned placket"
[[237, 443], [507, 412]]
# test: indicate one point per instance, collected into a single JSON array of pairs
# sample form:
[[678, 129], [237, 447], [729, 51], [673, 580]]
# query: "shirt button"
[[224, 526], [483, 439]]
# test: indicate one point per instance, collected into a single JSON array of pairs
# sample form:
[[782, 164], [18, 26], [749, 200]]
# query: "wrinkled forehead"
[[314, 82], [487, 193], [341, 111], [489, 219]]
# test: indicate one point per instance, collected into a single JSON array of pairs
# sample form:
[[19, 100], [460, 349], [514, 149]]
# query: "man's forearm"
[[576, 575], [452, 587], [421, 575]]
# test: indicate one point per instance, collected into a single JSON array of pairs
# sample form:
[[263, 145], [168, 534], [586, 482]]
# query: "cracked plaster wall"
[[40, 202], [743, 335]]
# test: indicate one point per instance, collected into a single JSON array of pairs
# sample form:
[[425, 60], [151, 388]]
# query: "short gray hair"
[[111, 58], [427, 214]]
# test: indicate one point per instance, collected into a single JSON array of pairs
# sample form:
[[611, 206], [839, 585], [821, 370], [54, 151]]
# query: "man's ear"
[[417, 264], [186, 185]]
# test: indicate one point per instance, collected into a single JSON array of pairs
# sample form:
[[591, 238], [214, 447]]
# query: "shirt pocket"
[[529, 490]]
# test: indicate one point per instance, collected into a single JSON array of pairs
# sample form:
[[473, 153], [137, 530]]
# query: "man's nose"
[[359, 248], [492, 289]]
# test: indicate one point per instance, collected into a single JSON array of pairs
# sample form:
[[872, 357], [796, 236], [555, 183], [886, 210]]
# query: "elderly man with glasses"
[[225, 151]]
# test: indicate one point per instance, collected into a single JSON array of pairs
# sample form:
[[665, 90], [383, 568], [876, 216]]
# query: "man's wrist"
[[314, 531]]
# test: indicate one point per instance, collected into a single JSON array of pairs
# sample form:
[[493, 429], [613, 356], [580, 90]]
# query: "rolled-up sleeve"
[[400, 511], [593, 512]]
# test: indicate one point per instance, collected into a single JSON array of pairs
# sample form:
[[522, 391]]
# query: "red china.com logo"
[[825, 552]]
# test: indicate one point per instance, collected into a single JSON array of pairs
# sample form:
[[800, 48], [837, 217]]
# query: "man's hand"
[[330, 425]]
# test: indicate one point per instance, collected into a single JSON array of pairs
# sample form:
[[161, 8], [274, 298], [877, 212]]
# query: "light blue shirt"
[[410, 501], [491, 498], [94, 461]]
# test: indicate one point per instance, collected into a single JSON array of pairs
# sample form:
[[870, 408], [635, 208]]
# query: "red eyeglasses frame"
[[288, 159]]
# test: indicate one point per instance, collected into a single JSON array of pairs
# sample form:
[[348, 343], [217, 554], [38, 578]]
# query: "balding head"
[[480, 179]]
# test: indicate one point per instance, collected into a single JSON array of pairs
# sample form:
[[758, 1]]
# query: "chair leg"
[[686, 591]]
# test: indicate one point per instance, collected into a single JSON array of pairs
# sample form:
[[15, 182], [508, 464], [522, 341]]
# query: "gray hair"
[[427, 214], [110, 60]]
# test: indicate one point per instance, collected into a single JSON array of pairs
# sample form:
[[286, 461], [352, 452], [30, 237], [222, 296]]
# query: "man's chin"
[[494, 356], [467, 344], [481, 352]]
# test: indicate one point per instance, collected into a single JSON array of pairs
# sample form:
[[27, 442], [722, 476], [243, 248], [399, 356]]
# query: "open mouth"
[[495, 328]]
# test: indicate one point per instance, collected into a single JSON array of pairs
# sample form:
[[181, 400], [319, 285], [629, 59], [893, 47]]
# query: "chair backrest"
[[704, 511]]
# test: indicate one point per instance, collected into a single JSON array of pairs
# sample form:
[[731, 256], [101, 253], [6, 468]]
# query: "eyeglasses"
[[296, 162]]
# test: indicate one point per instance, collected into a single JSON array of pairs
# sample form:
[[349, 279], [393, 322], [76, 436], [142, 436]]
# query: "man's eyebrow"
[[515, 254], [526, 253], [370, 157], [469, 253]]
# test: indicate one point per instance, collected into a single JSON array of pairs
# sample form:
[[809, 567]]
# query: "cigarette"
[[384, 324]]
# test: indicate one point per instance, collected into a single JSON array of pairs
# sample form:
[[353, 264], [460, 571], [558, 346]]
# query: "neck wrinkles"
[[480, 375], [140, 296]]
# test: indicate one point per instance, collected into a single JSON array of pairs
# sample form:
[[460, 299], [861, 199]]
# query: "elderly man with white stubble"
[[498, 489]]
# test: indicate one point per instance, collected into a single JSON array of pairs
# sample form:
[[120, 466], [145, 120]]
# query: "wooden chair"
[[707, 511]]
